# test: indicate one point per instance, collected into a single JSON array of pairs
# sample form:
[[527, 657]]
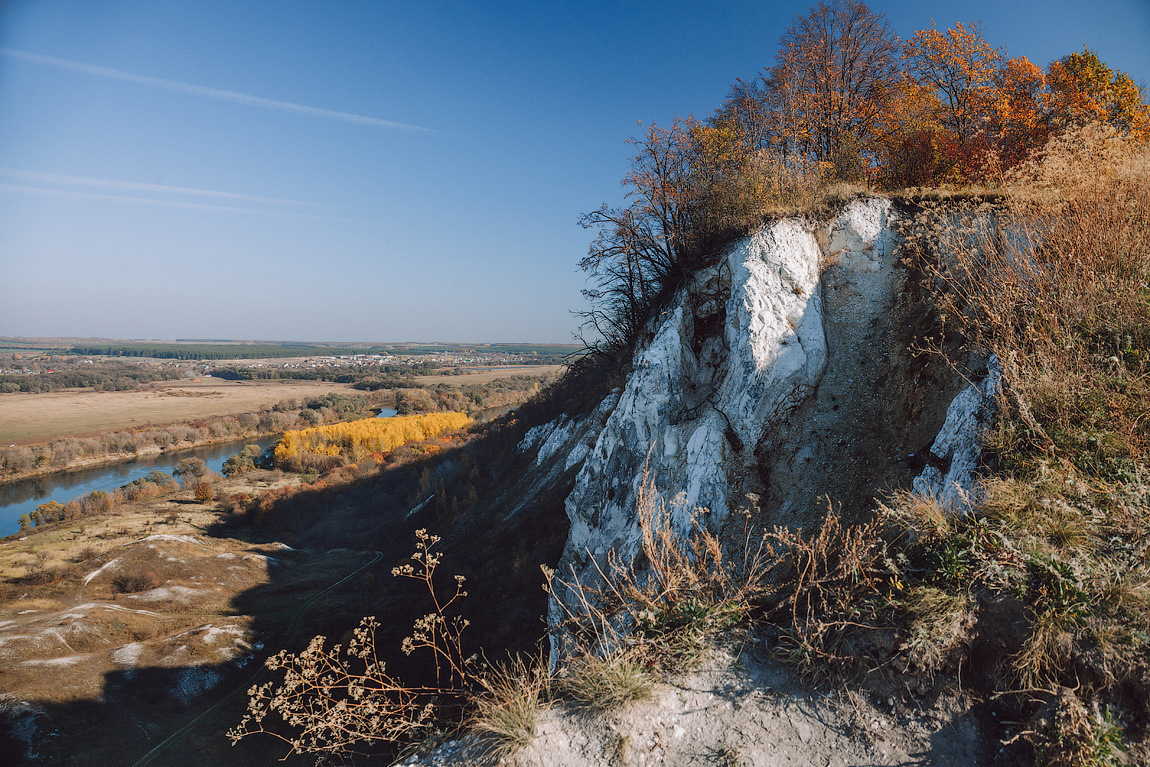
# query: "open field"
[[487, 375], [31, 418]]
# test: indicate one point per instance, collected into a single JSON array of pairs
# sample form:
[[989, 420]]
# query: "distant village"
[[37, 363]]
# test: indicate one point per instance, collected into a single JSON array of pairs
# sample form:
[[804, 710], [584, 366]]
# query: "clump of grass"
[[938, 622], [1066, 734], [609, 682], [507, 708]]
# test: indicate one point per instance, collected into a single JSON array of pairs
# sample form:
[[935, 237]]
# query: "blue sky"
[[378, 171]]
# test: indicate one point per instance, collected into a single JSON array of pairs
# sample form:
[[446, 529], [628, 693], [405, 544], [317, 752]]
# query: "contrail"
[[107, 183], [211, 93], [160, 203]]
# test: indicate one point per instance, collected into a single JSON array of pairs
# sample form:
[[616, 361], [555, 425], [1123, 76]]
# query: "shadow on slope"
[[344, 539]]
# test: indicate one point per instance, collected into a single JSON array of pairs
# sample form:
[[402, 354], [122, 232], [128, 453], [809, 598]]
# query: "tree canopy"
[[844, 101]]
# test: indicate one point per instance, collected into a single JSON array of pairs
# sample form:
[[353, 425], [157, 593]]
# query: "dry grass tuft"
[[609, 682], [939, 622], [1066, 734], [506, 710]]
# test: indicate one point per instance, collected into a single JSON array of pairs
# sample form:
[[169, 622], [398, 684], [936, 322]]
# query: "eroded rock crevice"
[[787, 372]]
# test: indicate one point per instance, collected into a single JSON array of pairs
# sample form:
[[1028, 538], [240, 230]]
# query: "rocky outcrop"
[[775, 379], [728, 363], [956, 452]]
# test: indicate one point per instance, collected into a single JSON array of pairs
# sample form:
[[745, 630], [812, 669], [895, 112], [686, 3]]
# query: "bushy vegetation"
[[68, 451], [64, 373], [356, 440], [156, 484], [846, 105]]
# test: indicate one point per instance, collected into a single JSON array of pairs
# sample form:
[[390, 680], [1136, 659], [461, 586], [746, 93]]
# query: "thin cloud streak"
[[219, 94], [107, 183], [20, 188]]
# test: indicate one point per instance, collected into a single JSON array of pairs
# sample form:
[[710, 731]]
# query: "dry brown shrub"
[[822, 589], [332, 700], [134, 581], [679, 589]]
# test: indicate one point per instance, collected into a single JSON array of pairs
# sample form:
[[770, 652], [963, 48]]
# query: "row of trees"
[[68, 451], [845, 101], [154, 485], [943, 106], [357, 439], [72, 374]]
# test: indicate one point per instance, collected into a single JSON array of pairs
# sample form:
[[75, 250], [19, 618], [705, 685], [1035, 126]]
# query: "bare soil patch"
[[116, 630], [741, 708], [31, 418]]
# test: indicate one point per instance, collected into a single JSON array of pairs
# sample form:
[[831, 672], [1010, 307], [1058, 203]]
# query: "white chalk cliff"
[[765, 375]]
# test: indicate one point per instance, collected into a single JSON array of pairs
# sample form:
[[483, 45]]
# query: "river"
[[22, 497]]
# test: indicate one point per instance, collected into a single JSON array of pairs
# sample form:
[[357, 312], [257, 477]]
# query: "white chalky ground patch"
[[194, 682], [170, 537], [68, 660], [107, 566], [214, 634], [128, 656], [161, 593]]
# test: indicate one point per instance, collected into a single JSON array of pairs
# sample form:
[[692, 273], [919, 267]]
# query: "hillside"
[[850, 469], [797, 518], [905, 582]]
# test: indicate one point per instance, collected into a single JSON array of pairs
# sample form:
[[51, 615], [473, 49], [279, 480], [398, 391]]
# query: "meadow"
[[32, 418]]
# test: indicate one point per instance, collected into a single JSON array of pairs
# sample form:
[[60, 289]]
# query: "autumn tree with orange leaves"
[[845, 100], [1083, 89], [961, 68], [987, 113], [830, 82]]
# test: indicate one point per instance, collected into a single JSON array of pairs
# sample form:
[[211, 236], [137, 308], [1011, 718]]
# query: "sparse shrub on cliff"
[[332, 701], [662, 605]]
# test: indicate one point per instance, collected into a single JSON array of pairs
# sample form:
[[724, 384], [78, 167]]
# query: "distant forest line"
[[219, 349], [185, 351]]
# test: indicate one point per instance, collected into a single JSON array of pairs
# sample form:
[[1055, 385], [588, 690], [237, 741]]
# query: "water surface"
[[22, 497]]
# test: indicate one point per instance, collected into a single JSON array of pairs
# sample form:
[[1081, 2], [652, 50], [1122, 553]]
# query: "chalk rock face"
[[721, 370], [958, 446], [738, 350]]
